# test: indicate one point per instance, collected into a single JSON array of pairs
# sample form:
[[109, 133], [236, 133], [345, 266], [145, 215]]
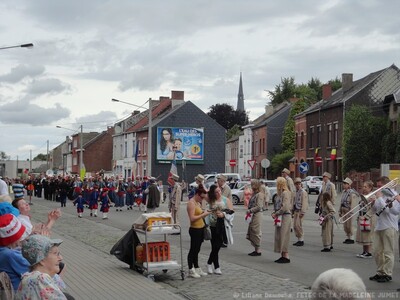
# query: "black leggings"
[[196, 239], [216, 243]]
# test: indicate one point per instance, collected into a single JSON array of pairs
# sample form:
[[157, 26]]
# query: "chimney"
[[163, 98], [326, 91], [135, 112], [347, 81], [177, 95]]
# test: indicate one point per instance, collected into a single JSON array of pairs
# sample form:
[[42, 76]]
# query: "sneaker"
[[326, 250], [366, 255], [193, 274], [210, 269], [384, 278], [218, 271], [375, 277], [283, 260], [254, 253], [361, 255], [200, 272]]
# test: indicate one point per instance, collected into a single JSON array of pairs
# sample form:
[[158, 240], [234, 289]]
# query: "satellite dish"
[[118, 129], [49, 173]]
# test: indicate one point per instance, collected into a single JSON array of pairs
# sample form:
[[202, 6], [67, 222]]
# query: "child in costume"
[[94, 198], [105, 203], [79, 202]]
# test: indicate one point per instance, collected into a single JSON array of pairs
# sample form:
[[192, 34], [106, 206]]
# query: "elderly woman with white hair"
[[339, 283], [44, 258]]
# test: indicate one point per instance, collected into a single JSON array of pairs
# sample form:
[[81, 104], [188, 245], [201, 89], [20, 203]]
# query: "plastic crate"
[[156, 251]]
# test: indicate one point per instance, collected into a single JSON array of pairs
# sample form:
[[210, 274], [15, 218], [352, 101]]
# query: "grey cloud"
[[20, 72], [97, 122], [24, 112], [51, 86]]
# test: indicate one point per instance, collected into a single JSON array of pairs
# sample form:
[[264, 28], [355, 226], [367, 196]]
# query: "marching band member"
[[385, 232], [282, 214], [326, 217], [300, 207], [347, 203], [366, 221]]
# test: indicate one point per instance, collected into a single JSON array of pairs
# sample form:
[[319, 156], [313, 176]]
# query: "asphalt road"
[[306, 262]]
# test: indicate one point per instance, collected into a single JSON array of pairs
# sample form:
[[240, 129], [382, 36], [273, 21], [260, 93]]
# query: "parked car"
[[237, 192], [209, 179], [312, 184], [272, 189]]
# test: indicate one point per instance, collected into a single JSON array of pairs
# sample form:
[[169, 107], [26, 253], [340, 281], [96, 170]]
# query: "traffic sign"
[[232, 162], [252, 163], [318, 160], [304, 167], [265, 163]]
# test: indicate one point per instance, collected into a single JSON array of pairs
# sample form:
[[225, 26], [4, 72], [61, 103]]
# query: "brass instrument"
[[388, 193], [354, 211]]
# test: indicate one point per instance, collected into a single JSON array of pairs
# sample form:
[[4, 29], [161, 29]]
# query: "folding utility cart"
[[155, 255]]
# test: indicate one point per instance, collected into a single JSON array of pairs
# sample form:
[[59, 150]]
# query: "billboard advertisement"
[[180, 143]]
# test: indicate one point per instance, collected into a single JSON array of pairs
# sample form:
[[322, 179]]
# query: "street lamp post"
[[30, 45], [149, 130], [80, 145]]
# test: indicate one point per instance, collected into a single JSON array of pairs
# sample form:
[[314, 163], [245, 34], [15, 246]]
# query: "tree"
[[361, 130], [288, 135], [225, 115], [234, 131], [316, 85], [279, 162], [41, 157], [389, 144], [3, 155], [335, 84], [283, 91]]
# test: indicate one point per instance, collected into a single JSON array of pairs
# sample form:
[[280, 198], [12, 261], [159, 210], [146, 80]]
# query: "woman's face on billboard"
[[166, 135]]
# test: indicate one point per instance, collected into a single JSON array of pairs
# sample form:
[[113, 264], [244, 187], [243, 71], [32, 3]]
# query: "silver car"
[[312, 184], [238, 190]]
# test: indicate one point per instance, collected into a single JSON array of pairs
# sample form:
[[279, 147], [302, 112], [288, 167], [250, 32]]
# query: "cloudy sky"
[[87, 52]]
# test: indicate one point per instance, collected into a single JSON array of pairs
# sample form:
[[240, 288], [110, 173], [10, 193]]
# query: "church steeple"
[[240, 102]]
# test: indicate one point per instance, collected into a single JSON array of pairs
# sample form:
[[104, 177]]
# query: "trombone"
[[362, 206]]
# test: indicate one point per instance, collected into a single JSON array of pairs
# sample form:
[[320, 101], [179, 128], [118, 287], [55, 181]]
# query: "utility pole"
[[47, 155]]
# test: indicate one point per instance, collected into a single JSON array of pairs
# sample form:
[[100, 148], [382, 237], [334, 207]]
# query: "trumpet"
[[362, 206]]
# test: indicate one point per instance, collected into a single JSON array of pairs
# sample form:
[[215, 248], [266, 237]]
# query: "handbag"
[[364, 223], [321, 220], [207, 233]]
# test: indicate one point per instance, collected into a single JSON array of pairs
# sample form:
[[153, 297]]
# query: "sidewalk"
[[91, 273]]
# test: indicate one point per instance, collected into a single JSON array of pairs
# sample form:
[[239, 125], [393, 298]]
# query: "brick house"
[[324, 119]]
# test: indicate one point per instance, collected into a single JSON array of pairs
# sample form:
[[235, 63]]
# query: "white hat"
[[199, 177], [348, 181], [326, 174]]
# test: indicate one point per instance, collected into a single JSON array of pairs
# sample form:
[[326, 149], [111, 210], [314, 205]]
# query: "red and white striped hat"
[[11, 229]]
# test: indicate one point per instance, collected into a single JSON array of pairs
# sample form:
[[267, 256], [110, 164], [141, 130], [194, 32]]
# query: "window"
[[139, 148], [133, 148], [264, 145], [302, 140], [256, 148], [260, 146], [75, 142], [319, 136], [296, 144], [75, 161], [336, 134], [241, 151], [311, 137], [329, 141], [126, 149], [144, 146]]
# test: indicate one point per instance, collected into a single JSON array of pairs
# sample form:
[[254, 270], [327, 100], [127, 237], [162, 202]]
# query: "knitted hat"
[[11, 229], [7, 208], [36, 248]]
